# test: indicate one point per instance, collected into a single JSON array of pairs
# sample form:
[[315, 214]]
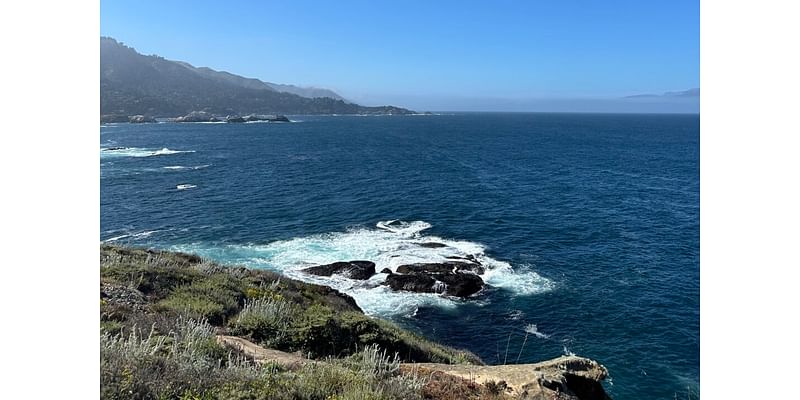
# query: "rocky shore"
[[194, 116], [176, 326]]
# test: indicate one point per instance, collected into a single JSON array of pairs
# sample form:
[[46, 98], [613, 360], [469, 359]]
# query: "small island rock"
[[360, 270]]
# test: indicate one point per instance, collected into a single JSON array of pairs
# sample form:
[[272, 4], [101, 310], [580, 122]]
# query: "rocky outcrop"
[[234, 119], [360, 270], [269, 118], [449, 283], [452, 278], [460, 284], [113, 118], [141, 119], [197, 116], [441, 268], [566, 377], [121, 295], [419, 283]]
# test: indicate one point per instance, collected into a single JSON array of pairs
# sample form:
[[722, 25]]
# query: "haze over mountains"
[[690, 93], [132, 83]]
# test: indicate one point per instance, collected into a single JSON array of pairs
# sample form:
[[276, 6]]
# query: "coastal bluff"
[[174, 325]]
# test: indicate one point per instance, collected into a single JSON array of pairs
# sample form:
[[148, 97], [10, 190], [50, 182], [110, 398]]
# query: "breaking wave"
[[114, 152], [389, 245], [183, 167]]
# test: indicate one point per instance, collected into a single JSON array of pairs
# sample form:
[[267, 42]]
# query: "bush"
[[215, 298], [319, 331], [189, 364], [265, 320]]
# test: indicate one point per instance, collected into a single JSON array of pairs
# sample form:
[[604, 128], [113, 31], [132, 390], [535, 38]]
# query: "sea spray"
[[389, 245]]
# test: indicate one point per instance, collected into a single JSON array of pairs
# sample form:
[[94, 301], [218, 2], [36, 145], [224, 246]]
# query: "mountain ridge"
[[688, 93], [132, 83]]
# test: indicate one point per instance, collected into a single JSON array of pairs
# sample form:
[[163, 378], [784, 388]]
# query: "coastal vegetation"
[[173, 325], [160, 313]]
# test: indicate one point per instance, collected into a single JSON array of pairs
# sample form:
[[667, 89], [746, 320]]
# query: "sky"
[[566, 55]]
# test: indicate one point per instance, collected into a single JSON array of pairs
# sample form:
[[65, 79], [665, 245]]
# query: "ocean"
[[588, 223]]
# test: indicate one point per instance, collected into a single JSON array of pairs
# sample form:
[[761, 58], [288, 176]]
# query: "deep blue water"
[[597, 215]]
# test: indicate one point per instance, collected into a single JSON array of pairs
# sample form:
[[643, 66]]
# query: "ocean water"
[[588, 223]]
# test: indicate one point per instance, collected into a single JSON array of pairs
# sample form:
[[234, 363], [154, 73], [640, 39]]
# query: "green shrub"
[[265, 320], [215, 298]]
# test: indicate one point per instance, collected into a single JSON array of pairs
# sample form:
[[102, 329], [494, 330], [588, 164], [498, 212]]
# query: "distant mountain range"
[[132, 83], [690, 93]]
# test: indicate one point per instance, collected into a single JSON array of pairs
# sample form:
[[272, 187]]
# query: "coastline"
[[241, 309]]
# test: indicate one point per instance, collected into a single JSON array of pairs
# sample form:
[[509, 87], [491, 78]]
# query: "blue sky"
[[430, 54]]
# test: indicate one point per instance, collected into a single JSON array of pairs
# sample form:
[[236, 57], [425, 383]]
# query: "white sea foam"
[[533, 330], [394, 243], [182, 167], [139, 235], [515, 315], [185, 186], [113, 152]]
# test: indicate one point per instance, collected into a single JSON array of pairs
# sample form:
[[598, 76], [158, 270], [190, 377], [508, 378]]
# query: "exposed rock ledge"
[[566, 377]]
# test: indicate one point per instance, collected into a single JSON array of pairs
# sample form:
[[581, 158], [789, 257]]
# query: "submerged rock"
[[431, 245], [360, 270]]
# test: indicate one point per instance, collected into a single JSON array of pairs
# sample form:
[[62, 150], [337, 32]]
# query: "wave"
[[532, 330], [114, 152], [185, 186], [182, 167], [139, 235], [389, 245]]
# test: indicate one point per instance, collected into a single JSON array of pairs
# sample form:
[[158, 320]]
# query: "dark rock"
[[449, 283], [121, 295], [234, 119], [141, 119], [270, 118], [440, 268], [469, 257], [411, 282], [334, 295], [461, 285], [114, 148], [352, 269], [113, 118], [431, 245], [386, 271]]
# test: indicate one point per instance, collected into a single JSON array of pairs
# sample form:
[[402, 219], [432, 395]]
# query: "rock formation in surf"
[[360, 270]]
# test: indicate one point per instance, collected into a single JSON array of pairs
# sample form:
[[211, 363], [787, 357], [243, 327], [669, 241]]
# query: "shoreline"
[[279, 314]]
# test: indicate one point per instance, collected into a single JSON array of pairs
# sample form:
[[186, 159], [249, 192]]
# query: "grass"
[[160, 313], [189, 364]]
